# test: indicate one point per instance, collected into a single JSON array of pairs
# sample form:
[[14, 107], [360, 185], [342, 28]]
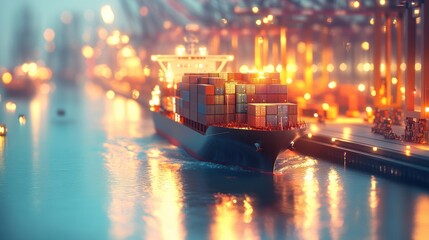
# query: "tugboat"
[[229, 118]]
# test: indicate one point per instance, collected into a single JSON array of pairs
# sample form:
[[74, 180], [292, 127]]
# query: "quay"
[[353, 145]]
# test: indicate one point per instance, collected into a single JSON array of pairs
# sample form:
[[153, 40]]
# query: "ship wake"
[[290, 160]]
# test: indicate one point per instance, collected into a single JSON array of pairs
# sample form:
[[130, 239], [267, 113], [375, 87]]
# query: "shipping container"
[[219, 82], [256, 121], [282, 98], [229, 109], [185, 95], [230, 99], [260, 88], [185, 86], [240, 88], [206, 119], [206, 99], [282, 88], [219, 90], [240, 98], [206, 109], [241, 117], [206, 89], [251, 98], [250, 89], [256, 109], [219, 118], [272, 120], [230, 118], [219, 109], [273, 89], [203, 80], [241, 108], [219, 99], [260, 98], [271, 109], [230, 87], [272, 98]]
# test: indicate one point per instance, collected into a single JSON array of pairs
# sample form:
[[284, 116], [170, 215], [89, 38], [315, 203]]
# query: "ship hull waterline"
[[228, 146]]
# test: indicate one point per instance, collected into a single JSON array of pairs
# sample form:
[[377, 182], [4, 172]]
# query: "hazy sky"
[[47, 14]]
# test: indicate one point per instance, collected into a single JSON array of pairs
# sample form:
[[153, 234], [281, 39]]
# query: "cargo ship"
[[229, 118]]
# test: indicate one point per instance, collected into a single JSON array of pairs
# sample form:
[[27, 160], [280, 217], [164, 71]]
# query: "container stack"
[[219, 98]]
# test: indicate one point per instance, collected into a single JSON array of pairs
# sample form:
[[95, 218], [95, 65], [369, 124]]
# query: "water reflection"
[[421, 218], [335, 203], [164, 205], [2, 145], [373, 200], [124, 111], [123, 166], [233, 218]]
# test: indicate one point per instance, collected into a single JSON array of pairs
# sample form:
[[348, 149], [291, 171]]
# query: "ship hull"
[[228, 146]]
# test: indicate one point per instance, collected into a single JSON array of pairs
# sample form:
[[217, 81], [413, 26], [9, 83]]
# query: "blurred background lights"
[[107, 14]]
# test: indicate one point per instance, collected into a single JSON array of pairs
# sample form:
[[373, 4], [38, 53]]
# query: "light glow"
[[107, 14]]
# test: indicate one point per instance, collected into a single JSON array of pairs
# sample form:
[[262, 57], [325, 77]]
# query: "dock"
[[351, 143]]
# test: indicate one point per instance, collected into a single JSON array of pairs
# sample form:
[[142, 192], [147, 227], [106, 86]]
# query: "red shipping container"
[[238, 76], [241, 117], [185, 86], [271, 109], [257, 121], [282, 88], [206, 89], [206, 99], [260, 98], [219, 118], [230, 99], [250, 89], [229, 109], [203, 80], [282, 98], [260, 88], [251, 98], [229, 118], [272, 98]]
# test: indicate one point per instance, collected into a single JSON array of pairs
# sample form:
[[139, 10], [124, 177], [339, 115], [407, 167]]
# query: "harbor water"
[[83, 166]]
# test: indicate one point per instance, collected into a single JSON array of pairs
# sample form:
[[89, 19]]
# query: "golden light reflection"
[[10, 106], [336, 203], [122, 165], [233, 218], [421, 218], [347, 132], [2, 145], [307, 206], [373, 201], [123, 110], [314, 128], [49, 35], [166, 217]]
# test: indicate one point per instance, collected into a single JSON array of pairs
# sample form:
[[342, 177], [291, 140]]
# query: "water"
[[100, 172]]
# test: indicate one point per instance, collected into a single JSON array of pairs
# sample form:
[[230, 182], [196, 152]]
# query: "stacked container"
[[219, 98]]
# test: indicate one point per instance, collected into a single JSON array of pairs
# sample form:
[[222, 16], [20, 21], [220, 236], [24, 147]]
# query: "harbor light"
[[110, 94], [22, 119], [374, 149], [107, 14], [3, 130], [307, 96], [10, 107], [332, 84], [325, 106], [309, 135], [7, 78], [361, 87]]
